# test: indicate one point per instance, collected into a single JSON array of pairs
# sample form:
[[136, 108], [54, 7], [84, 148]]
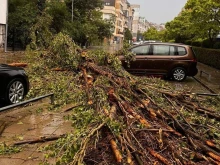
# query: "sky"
[[159, 11]]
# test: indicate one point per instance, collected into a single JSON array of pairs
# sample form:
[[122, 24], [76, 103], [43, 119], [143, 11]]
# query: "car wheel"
[[15, 91], [179, 74]]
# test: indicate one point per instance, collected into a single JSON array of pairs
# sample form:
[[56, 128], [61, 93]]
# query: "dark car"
[[14, 84], [172, 60]]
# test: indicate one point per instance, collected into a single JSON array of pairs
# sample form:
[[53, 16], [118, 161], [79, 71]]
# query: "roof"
[[161, 43]]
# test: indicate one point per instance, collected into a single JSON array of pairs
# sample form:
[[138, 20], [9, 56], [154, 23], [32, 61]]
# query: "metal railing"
[[51, 95]]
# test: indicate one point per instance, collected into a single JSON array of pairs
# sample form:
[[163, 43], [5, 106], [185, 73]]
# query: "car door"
[[160, 59], [138, 66]]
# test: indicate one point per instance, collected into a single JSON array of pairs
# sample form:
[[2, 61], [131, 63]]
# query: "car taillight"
[[194, 55], [194, 60]]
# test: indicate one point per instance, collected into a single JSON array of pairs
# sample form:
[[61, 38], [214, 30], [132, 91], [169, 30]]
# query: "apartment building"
[[128, 15], [119, 21], [143, 25], [122, 13], [159, 27], [136, 15]]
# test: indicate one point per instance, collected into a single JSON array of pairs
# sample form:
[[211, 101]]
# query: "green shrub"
[[209, 57], [207, 43], [188, 42], [216, 45], [196, 43]]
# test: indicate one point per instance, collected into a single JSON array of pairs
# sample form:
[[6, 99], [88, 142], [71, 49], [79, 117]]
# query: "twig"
[[39, 140], [154, 130], [179, 112], [78, 158], [158, 156], [71, 107], [117, 153]]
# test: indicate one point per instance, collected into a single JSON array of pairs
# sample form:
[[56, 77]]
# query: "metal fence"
[[51, 95]]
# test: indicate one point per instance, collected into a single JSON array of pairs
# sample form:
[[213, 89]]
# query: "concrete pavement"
[[209, 76]]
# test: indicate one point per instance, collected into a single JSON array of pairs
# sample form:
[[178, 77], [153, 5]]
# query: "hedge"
[[209, 57]]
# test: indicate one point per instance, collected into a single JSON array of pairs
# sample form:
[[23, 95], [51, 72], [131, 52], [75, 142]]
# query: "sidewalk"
[[28, 123]]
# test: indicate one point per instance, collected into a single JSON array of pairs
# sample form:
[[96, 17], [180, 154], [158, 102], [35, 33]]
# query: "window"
[[181, 51], [172, 50], [161, 50], [141, 50]]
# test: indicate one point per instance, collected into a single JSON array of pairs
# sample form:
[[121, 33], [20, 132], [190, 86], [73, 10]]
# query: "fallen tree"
[[120, 118]]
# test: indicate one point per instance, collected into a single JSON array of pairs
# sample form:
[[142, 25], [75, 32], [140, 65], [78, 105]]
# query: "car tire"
[[15, 91], [179, 74]]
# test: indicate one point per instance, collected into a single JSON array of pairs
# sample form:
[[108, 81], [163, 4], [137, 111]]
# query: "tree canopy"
[[82, 20], [154, 34], [128, 35], [205, 17], [22, 15], [199, 20]]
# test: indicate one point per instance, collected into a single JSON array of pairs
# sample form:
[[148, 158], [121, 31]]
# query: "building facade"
[[109, 13], [119, 21], [128, 15], [2, 35], [135, 22], [121, 12]]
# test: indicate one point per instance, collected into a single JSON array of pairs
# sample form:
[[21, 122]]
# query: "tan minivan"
[[172, 60]]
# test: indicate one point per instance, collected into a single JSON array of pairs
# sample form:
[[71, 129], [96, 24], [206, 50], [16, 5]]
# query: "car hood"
[[8, 67]]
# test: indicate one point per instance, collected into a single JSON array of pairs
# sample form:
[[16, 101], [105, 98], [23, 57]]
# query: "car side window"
[[141, 50], [172, 50], [161, 50], [181, 51]]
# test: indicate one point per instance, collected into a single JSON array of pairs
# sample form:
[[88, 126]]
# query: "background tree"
[[59, 12], [197, 24], [127, 35], [84, 23], [22, 15], [87, 24], [205, 16], [154, 34], [181, 29]]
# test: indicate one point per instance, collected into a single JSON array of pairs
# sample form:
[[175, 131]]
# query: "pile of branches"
[[124, 119]]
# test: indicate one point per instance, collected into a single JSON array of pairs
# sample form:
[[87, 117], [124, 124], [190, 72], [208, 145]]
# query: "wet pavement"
[[211, 80], [214, 81], [29, 123]]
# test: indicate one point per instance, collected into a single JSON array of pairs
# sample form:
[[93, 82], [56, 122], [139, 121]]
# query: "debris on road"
[[120, 118]]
